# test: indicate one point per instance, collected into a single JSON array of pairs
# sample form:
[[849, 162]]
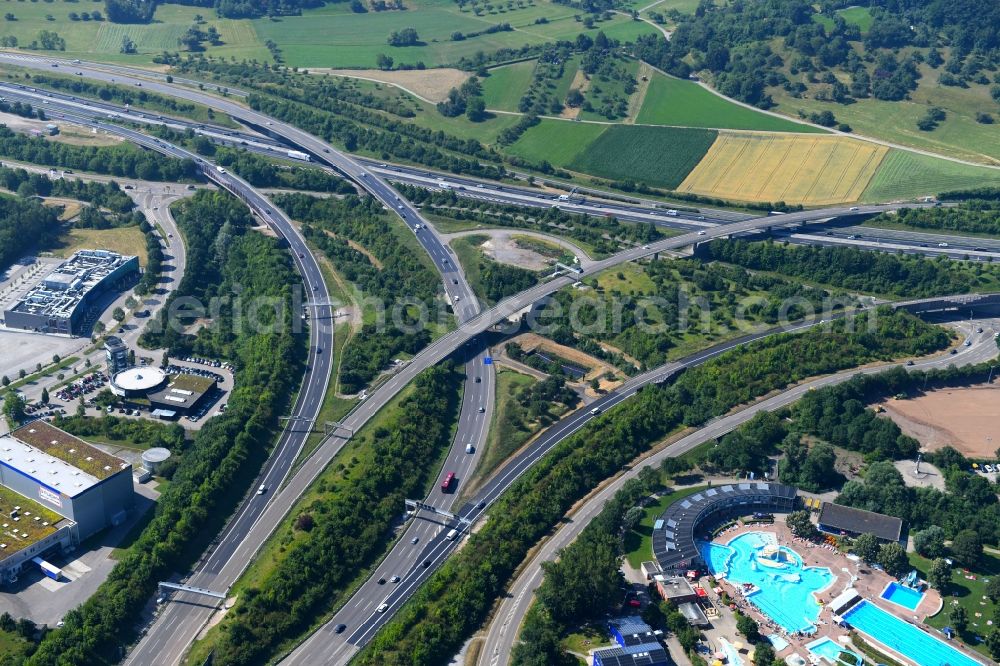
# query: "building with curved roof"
[[138, 381], [676, 531]]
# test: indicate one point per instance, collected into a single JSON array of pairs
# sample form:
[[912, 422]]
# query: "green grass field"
[[503, 88], [859, 16], [329, 36], [671, 101], [968, 593], [661, 156], [905, 175], [558, 141]]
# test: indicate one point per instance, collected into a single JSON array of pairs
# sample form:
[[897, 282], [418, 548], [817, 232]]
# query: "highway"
[[236, 549], [503, 629]]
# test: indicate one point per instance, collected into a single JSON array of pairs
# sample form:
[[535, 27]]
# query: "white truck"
[[443, 185], [298, 155], [451, 535]]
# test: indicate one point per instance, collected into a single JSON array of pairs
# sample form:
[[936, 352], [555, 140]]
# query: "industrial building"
[[638, 645], [65, 474], [848, 521], [63, 300]]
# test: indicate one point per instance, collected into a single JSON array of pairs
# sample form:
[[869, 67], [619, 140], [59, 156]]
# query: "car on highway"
[[942, 245], [394, 579], [448, 483], [701, 233], [469, 448], [426, 564], [340, 628], [595, 411], [415, 540], [482, 410], [479, 380], [381, 581], [384, 607], [262, 489]]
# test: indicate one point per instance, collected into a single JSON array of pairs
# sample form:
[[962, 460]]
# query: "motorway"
[[502, 631], [235, 554]]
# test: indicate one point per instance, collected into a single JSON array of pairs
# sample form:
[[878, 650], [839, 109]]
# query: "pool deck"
[[868, 582]]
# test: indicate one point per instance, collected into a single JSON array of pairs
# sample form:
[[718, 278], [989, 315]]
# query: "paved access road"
[[503, 630]]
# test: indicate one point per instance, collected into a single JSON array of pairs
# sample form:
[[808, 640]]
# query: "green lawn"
[[970, 594], [661, 156], [503, 88], [639, 541], [671, 101], [557, 141], [906, 175], [859, 16]]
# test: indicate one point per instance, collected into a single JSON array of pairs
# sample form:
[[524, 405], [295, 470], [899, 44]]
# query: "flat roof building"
[[63, 300], [181, 393], [637, 645], [66, 475], [840, 519]]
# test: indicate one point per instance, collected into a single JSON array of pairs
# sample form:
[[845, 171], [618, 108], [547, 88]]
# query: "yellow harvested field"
[[795, 168]]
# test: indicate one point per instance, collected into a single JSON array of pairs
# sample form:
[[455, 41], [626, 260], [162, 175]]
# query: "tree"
[[5, 380], [763, 653], [866, 547], [118, 314], [384, 62], [13, 408], [748, 627], [45, 396], [959, 617], [131, 357], [892, 558], [939, 575], [475, 109], [801, 524], [993, 643], [967, 548], [165, 361], [929, 542], [404, 37], [993, 589], [128, 46]]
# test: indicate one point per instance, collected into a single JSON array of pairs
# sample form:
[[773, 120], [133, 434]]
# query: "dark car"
[[340, 628], [427, 563], [479, 380], [381, 581]]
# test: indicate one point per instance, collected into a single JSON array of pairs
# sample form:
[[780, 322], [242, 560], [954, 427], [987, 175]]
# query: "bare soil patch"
[[964, 418], [581, 83], [505, 249], [432, 85], [532, 341]]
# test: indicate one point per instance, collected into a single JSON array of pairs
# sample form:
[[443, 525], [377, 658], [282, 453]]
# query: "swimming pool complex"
[[903, 596], [916, 645], [779, 584], [830, 650]]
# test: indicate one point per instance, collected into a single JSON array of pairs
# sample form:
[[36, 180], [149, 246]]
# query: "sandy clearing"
[[430, 85], [532, 341], [965, 418], [68, 133], [581, 83]]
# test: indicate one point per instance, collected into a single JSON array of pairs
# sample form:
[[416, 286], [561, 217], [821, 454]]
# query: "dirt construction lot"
[[795, 168], [964, 418]]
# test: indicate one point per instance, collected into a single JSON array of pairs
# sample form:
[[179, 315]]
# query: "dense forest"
[[25, 224], [749, 46], [222, 459], [117, 160], [396, 276], [974, 216], [350, 521], [454, 603], [858, 270]]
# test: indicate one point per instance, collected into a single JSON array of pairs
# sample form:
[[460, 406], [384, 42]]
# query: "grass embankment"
[[342, 525], [123, 240], [906, 175]]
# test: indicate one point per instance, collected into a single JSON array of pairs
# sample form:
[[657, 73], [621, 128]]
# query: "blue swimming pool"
[[783, 588], [903, 596], [830, 650], [903, 637]]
